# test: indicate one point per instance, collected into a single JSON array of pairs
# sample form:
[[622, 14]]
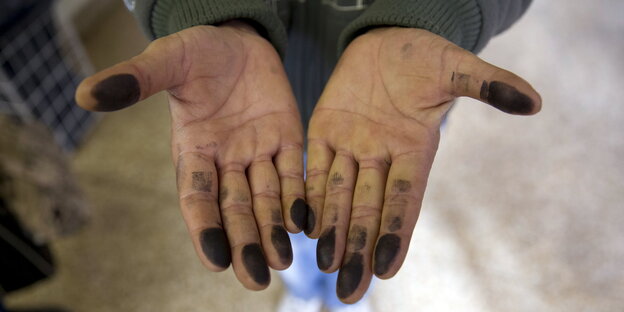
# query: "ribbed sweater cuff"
[[170, 16], [459, 21]]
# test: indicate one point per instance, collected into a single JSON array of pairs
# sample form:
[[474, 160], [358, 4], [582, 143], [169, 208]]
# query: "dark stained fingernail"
[[385, 253], [350, 276], [506, 98], [299, 213], [281, 242], [256, 265], [311, 222], [325, 249], [215, 245], [116, 92]]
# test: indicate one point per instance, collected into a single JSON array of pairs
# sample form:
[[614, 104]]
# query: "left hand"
[[372, 140]]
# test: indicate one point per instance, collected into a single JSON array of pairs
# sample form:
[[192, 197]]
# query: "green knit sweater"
[[318, 30]]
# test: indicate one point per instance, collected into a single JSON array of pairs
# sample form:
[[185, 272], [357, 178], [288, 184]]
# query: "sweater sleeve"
[[467, 23], [159, 18]]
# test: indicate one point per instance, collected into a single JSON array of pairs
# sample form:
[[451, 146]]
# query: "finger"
[[404, 191], [161, 66], [289, 165], [320, 159], [356, 270], [197, 188], [501, 89], [248, 259], [336, 212], [267, 208]]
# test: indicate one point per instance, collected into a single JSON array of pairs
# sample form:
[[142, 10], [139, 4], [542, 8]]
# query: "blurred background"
[[521, 213]]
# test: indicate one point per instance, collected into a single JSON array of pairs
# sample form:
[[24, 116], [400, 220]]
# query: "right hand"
[[236, 141]]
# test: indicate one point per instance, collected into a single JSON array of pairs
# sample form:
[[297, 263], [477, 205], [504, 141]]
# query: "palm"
[[238, 98], [396, 102], [372, 140]]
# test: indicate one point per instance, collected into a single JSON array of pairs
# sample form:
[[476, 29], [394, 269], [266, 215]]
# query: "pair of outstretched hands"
[[237, 143]]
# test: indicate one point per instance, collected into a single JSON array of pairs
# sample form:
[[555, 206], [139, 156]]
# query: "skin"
[[372, 140], [237, 140], [237, 143]]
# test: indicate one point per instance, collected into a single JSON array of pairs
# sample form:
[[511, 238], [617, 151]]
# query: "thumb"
[[497, 87], [161, 66]]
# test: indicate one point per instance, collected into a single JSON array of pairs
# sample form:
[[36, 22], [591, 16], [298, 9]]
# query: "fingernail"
[[309, 227], [506, 98], [299, 213], [281, 242], [350, 276], [325, 249], [215, 245], [116, 92], [385, 253], [256, 265]]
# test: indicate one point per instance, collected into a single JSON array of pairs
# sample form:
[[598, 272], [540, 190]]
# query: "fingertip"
[[112, 93], [325, 250], [538, 103], [281, 242], [216, 248], [83, 94], [116, 92], [310, 222], [350, 277], [385, 254], [512, 99], [256, 266], [298, 215]]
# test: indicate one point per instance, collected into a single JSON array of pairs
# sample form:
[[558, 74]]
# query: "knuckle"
[[291, 174], [232, 210], [336, 190], [395, 198], [363, 211], [267, 194], [195, 197]]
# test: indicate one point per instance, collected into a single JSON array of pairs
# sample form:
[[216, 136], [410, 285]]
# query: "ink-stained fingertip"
[[216, 248], [110, 94], [310, 222], [386, 252], [256, 266], [510, 99], [282, 245], [299, 213], [325, 249], [349, 278]]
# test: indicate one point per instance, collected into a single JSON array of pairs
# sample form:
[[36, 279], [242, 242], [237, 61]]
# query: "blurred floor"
[[521, 213]]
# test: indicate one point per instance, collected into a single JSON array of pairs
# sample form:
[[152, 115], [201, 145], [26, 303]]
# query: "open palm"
[[236, 141], [372, 140]]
